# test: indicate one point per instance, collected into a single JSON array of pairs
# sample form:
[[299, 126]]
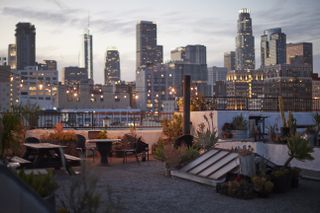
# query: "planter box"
[[239, 134]]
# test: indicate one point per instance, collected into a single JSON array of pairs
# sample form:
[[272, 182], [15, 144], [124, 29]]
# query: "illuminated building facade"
[[245, 56], [12, 56], [112, 67]]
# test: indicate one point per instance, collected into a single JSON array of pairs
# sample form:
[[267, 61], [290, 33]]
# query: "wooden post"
[[186, 105]]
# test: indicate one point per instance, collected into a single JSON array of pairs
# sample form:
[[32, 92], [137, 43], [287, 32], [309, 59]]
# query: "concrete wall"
[[277, 153], [150, 136], [221, 117]]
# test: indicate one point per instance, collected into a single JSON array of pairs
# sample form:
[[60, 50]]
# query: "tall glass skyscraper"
[[26, 45], [273, 47], [148, 52], [245, 57], [112, 67], [88, 54]]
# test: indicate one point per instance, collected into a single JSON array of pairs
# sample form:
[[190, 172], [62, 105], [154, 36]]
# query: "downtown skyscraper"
[[25, 45], [112, 67], [273, 47], [88, 54], [148, 51], [245, 56]]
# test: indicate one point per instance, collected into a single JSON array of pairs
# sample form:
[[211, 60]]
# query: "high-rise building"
[[112, 67], [192, 54], [74, 75], [12, 56], [230, 60], [3, 61], [88, 54], [38, 85], [196, 54], [178, 54], [216, 74], [148, 52], [273, 47], [26, 45], [300, 53], [292, 82], [5, 88], [245, 56]]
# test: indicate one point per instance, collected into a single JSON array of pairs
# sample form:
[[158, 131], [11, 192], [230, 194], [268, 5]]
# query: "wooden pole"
[[186, 105]]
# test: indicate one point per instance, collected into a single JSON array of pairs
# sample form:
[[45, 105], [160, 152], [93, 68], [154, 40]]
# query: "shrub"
[[172, 128], [43, 184], [239, 123], [206, 138], [11, 134]]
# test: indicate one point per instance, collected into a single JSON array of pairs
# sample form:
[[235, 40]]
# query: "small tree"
[[298, 148], [316, 119]]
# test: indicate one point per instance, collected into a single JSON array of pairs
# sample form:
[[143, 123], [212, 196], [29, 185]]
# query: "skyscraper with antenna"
[[87, 51]]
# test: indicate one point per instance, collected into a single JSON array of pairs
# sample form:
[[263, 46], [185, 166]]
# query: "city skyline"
[[207, 23]]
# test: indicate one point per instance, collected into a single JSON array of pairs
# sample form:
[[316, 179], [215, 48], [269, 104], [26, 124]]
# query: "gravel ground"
[[144, 188]]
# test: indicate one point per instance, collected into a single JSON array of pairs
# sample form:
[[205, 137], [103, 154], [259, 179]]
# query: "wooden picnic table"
[[104, 147], [46, 155]]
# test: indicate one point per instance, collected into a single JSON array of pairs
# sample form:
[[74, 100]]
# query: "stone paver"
[[144, 188]]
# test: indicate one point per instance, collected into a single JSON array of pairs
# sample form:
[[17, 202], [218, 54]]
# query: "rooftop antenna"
[[88, 22]]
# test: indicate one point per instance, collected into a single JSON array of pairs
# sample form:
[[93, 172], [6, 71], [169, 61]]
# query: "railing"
[[261, 104], [92, 120]]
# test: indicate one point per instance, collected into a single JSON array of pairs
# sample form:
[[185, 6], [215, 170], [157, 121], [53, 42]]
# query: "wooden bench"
[[71, 157], [20, 160], [72, 160]]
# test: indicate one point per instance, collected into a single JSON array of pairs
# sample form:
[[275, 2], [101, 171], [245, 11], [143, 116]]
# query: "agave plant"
[[206, 138], [299, 149]]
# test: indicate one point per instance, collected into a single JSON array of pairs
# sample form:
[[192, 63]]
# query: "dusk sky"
[[60, 24]]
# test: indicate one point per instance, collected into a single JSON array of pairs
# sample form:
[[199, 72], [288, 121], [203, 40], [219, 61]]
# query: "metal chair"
[[82, 148], [31, 140], [136, 147]]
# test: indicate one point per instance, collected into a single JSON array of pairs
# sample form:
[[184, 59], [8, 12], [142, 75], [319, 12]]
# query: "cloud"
[[72, 18]]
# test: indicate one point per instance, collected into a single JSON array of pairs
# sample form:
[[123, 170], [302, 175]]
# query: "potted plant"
[[226, 130], [281, 179], [262, 185], [240, 127], [284, 177]]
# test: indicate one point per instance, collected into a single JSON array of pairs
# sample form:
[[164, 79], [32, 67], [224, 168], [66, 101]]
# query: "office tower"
[[148, 52], [292, 82], [192, 54], [230, 60], [5, 88], [246, 83], [300, 53], [88, 54], [47, 65], [112, 67], [196, 54], [216, 74], [178, 54], [74, 75], [273, 47], [3, 61], [25, 44], [245, 42], [38, 86], [12, 56]]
